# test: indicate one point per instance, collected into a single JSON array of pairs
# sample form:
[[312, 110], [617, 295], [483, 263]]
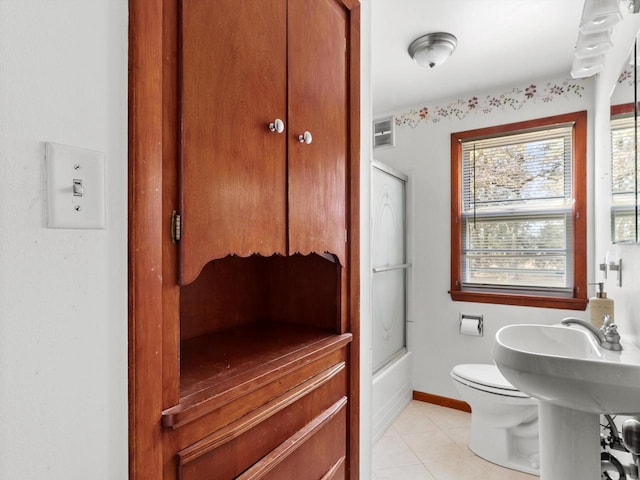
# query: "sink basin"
[[565, 366], [574, 380]]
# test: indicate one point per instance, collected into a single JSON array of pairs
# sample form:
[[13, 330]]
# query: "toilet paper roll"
[[470, 326]]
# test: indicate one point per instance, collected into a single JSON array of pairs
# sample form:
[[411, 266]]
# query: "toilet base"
[[504, 421], [515, 448]]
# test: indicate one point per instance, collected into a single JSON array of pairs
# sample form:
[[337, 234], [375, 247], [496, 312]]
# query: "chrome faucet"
[[607, 336]]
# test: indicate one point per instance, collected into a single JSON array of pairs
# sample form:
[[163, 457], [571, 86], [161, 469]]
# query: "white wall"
[[63, 293], [423, 152]]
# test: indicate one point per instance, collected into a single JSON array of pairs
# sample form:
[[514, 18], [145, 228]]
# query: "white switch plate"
[[67, 165]]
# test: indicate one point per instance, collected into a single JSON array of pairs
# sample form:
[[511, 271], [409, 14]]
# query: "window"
[[625, 216], [518, 226]]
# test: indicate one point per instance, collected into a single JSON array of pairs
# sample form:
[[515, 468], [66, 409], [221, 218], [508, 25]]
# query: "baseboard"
[[442, 401]]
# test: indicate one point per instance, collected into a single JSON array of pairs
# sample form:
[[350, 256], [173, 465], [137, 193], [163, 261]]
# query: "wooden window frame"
[[579, 299]]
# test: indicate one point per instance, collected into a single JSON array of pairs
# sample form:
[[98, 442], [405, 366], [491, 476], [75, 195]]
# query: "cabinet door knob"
[[277, 126], [305, 138]]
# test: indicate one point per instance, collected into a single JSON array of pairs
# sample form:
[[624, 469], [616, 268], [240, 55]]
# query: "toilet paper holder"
[[471, 325]]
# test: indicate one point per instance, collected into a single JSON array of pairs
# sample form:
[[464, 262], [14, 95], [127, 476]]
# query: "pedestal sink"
[[575, 380]]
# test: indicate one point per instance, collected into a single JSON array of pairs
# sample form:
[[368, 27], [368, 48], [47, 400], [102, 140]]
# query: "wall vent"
[[384, 132]]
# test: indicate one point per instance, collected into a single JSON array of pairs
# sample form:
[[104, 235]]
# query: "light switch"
[[75, 181]]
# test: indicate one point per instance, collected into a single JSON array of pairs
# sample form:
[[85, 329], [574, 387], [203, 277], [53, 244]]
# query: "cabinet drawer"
[[229, 451], [315, 452], [251, 386]]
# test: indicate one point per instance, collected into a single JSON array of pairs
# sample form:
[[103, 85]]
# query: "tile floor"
[[428, 442]]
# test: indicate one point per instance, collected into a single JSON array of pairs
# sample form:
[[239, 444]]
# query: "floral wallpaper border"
[[626, 78], [512, 100]]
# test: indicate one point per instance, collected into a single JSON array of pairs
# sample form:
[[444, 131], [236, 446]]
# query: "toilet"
[[504, 421]]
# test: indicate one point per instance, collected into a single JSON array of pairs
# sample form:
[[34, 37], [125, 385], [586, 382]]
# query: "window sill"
[[521, 300]]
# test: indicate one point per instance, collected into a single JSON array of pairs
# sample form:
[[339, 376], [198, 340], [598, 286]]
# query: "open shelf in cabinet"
[[246, 323]]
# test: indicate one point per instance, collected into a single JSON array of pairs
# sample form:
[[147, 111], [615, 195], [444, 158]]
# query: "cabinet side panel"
[[318, 34], [145, 253], [353, 466], [233, 85]]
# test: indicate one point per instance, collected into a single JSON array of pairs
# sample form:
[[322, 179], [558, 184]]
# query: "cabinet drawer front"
[[315, 452], [337, 471], [231, 450], [207, 414]]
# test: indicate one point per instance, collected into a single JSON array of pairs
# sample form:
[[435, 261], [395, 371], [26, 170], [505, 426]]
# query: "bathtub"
[[392, 392]]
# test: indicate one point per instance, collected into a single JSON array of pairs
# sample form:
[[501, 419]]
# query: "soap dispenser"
[[599, 306]]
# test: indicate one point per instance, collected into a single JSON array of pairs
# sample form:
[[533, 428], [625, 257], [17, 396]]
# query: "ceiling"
[[501, 43]]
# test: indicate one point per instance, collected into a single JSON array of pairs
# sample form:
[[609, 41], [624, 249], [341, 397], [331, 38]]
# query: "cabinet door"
[[318, 104], [233, 168]]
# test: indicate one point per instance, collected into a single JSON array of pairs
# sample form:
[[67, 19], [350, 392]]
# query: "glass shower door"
[[389, 282]]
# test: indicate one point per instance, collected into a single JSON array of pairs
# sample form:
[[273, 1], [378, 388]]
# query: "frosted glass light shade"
[[432, 49], [586, 67], [593, 44], [599, 15]]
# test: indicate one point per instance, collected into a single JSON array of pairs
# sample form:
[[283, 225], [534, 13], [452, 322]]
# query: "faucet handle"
[[611, 335]]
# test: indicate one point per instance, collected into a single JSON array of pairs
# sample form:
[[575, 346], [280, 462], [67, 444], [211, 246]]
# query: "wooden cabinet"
[[245, 188], [233, 85], [318, 99], [244, 340]]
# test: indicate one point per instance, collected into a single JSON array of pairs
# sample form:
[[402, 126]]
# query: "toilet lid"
[[484, 375]]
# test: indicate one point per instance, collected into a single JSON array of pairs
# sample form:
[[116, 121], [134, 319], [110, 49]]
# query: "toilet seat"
[[486, 378]]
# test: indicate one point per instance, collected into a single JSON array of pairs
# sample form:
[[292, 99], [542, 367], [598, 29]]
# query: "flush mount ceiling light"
[[432, 49]]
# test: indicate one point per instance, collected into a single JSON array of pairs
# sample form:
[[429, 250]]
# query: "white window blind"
[[624, 212], [517, 222]]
